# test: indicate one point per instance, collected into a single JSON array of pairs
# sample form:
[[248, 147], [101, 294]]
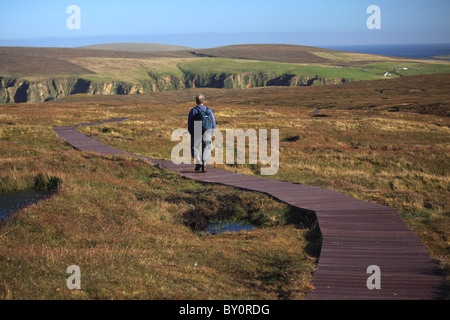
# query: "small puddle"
[[14, 201], [228, 227]]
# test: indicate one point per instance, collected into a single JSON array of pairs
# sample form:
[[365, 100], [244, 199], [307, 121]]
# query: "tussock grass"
[[129, 226], [385, 142], [133, 228]]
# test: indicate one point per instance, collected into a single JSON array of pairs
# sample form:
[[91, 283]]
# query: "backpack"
[[206, 118]]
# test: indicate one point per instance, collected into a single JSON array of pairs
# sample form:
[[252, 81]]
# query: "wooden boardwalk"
[[356, 234]]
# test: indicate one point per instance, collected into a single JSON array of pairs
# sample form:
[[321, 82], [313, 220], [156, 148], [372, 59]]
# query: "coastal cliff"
[[21, 90]]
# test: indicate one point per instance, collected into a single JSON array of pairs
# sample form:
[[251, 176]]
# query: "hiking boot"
[[198, 167], [204, 167]]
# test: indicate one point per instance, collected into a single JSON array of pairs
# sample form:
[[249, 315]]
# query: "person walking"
[[201, 126]]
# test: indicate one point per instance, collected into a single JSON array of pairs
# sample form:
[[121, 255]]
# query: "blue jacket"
[[191, 118]]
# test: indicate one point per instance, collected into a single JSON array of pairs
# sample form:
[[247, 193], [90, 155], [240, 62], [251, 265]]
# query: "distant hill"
[[287, 53], [145, 47], [267, 52], [103, 61], [44, 74]]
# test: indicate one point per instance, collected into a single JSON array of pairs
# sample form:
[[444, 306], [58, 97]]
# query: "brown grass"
[[123, 221], [267, 52], [126, 224], [382, 141], [41, 63]]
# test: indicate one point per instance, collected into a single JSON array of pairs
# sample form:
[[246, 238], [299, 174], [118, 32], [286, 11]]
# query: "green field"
[[232, 66], [98, 65], [137, 70], [445, 57]]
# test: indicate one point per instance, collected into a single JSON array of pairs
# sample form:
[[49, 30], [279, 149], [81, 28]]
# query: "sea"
[[414, 51]]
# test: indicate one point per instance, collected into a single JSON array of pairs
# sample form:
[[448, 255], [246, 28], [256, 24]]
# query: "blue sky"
[[200, 23]]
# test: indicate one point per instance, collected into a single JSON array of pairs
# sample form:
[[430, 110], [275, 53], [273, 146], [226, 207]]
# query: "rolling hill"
[[141, 47], [43, 74], [267, 52]]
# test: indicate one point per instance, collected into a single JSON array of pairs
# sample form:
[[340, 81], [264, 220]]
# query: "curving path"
[[356, 234]]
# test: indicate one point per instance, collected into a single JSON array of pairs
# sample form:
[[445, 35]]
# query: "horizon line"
[[218, 39]]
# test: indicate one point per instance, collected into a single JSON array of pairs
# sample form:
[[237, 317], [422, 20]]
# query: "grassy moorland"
[[382, 141], [44, 74], [133, 229], [134, 66], [136, 70]]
